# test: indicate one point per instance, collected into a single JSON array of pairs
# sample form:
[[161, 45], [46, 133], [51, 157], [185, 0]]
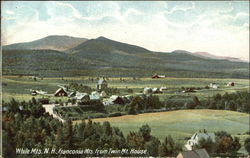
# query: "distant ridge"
[[54, 42], [211, 56]]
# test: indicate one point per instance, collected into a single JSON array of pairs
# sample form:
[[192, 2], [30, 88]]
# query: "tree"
[[247, 145], [212, 105], [225, 143], [170, 143], [217, 97], [196, 101], [107, 128], [135, 140], [167, 148], [152, 147], [163, 150], [68, 133], [8, 146], [235, 145], [232, 106], [131, 110], [59, 138], [208, 144], [145, 132], [80, 130]]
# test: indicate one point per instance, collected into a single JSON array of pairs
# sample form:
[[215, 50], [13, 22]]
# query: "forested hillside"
[[107, 57]]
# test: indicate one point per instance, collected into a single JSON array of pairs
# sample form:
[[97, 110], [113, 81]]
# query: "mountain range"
[[71, 56]]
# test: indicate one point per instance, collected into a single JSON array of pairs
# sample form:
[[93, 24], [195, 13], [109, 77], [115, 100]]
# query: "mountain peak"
[[102, 38], [181, 52]]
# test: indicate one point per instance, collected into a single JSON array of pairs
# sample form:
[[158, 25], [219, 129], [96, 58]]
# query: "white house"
[[163, 89], [194, 140], [213, 85], [82, 97], [103, 94], [147, 90]]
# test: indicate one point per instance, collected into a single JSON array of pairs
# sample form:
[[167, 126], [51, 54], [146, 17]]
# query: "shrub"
[[115, 114]]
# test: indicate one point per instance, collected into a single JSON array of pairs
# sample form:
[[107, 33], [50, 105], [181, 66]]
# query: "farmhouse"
[[197, 137], [199, 153], [60, 92], [230, 84], [102, 84]]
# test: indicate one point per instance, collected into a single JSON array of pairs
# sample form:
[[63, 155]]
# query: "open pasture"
[[19, 86], [183, 124]]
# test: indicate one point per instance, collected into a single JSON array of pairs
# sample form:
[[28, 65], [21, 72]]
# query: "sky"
[[218, 27]]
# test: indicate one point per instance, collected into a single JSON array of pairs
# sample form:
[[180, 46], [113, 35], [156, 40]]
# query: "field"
[[184, 123], [19, 86]]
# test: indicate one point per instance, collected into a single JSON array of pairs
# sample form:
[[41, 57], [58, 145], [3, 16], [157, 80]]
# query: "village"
[[100, 93]]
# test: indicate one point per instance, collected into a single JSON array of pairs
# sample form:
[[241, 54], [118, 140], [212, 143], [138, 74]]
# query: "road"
[[49, 109]]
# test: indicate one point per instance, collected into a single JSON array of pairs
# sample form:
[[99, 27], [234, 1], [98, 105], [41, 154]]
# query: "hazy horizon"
[[219, 28]]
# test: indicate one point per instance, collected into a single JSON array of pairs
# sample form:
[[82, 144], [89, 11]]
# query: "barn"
[[155, 76], [158, 76], [116, 99]]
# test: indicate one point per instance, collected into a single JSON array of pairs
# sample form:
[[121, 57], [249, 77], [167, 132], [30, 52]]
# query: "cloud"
[[9, 12], [184, 6], [75, 13]]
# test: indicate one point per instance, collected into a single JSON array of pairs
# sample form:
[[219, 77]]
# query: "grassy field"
[[19, 86], [184, 123]]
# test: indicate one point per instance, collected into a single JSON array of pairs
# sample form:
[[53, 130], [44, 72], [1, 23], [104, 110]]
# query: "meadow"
[[183, 124], [19, 86]]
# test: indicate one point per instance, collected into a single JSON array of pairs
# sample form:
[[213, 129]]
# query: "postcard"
[[125, 79]]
